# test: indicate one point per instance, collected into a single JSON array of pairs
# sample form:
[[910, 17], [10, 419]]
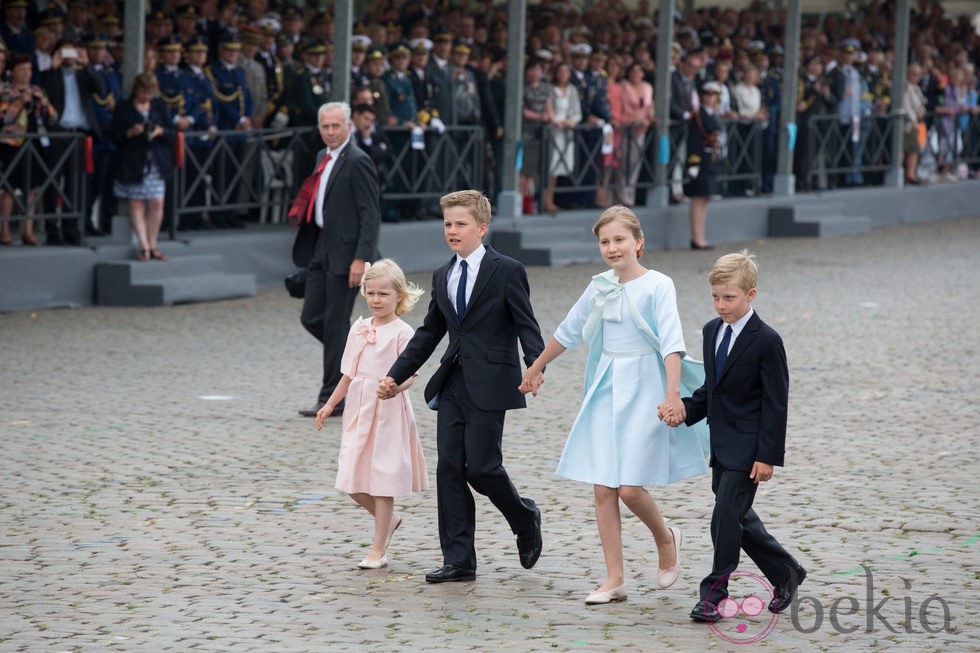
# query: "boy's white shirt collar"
[[475, 258], [737, 327]]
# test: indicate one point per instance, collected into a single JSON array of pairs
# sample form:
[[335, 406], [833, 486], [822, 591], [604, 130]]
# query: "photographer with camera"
[[144, 134], [72, 87]]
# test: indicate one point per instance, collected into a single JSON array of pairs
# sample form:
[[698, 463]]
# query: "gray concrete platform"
[[160, 493], [57, 277]]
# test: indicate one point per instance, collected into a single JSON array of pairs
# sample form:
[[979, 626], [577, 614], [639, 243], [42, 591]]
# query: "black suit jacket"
[[53, 84], [747, 406], [132, 152], [498, 315], [351, 214]]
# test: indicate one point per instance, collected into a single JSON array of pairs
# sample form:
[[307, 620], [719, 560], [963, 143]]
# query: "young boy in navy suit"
[[481, 299], [744, 397]]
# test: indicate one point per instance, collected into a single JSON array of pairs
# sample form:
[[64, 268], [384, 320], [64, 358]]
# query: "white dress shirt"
[[737, 327], [321, 188], [472, 269]]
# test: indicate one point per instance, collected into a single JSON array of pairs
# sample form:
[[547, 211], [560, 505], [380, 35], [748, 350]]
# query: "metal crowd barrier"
[[850, 153], [740, 160], [260, 171], [952, 142], [52, 166]]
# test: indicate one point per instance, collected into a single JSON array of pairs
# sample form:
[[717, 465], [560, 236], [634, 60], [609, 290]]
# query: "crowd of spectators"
[[422, 65]]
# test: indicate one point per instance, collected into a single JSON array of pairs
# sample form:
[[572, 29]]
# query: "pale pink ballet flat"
[[615, 594], [669, 576], [373, 564]]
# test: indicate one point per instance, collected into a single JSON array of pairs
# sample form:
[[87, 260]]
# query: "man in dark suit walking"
[[338, 236], [744, 396], [481, 299]]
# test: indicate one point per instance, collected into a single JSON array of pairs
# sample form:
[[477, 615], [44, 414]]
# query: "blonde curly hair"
[[408, 292]]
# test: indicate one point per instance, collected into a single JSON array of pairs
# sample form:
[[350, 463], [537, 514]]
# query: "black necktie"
[[461, 291], [722, 354]]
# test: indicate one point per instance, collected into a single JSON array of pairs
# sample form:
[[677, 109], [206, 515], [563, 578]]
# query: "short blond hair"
[[472, 200], [736, 268], [408, 292]]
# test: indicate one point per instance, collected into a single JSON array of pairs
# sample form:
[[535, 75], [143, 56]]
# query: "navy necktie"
[[722, 354], [461, 291]]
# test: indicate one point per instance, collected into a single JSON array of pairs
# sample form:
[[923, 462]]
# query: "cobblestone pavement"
[[160, 492]]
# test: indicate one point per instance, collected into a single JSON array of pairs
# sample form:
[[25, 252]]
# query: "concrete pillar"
[[784, 182], [343, 24], [895, 178], [665, 36], [134, 35], [509, 204]]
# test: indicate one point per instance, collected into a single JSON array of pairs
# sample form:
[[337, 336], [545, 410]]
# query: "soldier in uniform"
[[306, 93], [292, 24], [276, 113], [374, 65], [593, 92], [771, 88], [286, 51], [186, 19], [199, 107], [878, 96], [158, 26], [440, 84], [14, 30], [813, 98], [170, 77], [401, 95], [417, 70], [310, 87], [254, 73], [103, 150], [172, 86], [401, 102], [232, 108], [359, 78]]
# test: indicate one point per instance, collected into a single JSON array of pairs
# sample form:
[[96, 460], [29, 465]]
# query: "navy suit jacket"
[[498, 315], [351, 214], [747, 406]]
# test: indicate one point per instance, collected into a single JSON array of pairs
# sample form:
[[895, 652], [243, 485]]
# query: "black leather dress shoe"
[[706, 612], [338, 411], [529, 546], [784, 593], [311, 412], [450, 574]]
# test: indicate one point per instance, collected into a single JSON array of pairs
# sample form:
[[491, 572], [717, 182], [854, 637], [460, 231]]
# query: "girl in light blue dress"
[[628, 318]]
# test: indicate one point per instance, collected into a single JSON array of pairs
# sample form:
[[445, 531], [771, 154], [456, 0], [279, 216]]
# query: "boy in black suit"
[[481, 299], [744, 397]]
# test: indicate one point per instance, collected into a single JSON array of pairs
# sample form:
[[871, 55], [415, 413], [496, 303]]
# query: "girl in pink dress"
[[380, 452]]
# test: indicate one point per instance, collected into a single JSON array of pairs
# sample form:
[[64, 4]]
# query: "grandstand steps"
[[818, 220], [549, 239], [182, 279]]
